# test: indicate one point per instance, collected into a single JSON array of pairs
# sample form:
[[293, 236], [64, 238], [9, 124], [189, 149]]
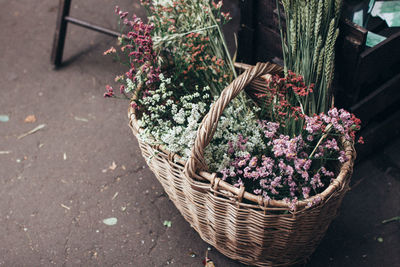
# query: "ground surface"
[[58, 184]]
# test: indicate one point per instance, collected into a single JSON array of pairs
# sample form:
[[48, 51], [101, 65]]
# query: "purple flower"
[[241, 142], [224, 173], [316, 181], [331, 144], [253, 162], [306, 192], [231, 150], [343, 157], [326, 172], [257, 191], [283, 146], [241, 163], [270, 128], [268, 163], [239, 183], [313, 124], [333, 112]]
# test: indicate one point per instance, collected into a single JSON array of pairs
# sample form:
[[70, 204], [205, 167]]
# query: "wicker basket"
[[237, 223]]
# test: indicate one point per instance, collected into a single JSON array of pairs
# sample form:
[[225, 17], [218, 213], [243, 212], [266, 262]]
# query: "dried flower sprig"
[[196, 22]]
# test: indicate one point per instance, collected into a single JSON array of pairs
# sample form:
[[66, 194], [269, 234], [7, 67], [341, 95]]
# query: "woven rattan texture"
[[260, 234]]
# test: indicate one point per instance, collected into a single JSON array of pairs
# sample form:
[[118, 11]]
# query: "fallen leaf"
[[207, 262], [380, 239], [81, 119], [4, 118], [94, 254], [397, 218], [113, 166], [110, 221], [167, 223], [30, 119], [34, 130], [65, 207]]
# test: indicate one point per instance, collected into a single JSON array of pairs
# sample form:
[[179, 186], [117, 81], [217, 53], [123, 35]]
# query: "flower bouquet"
[[256, 163]]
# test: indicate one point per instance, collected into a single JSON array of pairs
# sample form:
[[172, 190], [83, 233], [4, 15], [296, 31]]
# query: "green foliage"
[[309, 47]]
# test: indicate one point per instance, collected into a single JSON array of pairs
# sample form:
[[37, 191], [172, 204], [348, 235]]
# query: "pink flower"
[[343, 157], [306, 192], [326, 172], [270, 128], [360, 140], [110, 91], [333, 112], [268, 163], [313, 124], [331, 144], [283, 146], [316, 181], [253, 162], [241, 163], [224, 173], [110, 51], [231, 150], [257, 191]]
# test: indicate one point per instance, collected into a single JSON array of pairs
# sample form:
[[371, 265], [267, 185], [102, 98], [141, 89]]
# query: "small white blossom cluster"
[[235, 121], [172, 123]]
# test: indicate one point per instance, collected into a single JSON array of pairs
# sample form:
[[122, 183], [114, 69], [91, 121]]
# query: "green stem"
[[397, 218], [221, 36], [282, 37], [327, 130]]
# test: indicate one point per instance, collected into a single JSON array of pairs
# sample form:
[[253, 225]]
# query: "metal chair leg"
[[61, 31]]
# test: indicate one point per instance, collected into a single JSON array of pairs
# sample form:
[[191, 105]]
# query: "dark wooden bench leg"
[[61, 31]]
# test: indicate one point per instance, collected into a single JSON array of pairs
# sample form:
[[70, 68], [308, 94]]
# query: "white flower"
[[130, 86], [163, 3], [180, 117]]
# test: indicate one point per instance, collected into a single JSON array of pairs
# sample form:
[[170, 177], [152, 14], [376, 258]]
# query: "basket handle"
[[209, 123]]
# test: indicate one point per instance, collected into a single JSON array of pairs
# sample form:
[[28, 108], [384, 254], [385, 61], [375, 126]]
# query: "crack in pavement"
[[74, 220], [25, 230]]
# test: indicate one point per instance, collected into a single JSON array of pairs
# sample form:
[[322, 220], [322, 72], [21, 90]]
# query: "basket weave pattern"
[[249, 231]]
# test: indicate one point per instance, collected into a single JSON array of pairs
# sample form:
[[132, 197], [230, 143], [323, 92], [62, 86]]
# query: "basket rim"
[[217, 184]]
